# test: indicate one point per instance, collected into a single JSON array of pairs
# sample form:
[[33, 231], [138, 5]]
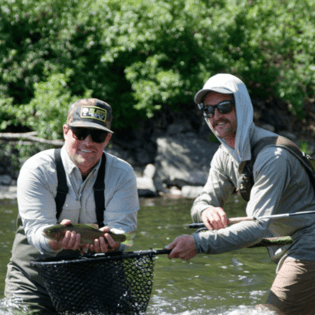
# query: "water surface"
[[228, 284]]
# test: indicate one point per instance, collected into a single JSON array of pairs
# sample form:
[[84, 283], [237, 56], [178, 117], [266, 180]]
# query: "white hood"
[[229, 84]]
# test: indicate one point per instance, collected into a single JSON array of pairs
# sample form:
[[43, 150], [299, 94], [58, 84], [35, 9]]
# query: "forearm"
[[199, 205], [231, 238], [36, 208], [35, 237], [211, 197]]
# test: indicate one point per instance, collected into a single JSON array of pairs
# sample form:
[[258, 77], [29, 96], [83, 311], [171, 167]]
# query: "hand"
[[182, 247], [214, 218], [100, 246], [71, 240]]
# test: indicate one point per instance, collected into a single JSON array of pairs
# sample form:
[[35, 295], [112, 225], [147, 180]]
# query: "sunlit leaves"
[[141, 55]]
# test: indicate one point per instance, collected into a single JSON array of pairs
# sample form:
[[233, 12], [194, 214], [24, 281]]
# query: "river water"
[[227, 284]]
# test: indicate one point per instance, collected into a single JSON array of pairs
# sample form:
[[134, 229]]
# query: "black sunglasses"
[[223, 107], [97, 135]]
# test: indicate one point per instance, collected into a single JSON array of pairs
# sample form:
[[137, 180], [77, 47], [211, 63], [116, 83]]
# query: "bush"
[[141, 55]]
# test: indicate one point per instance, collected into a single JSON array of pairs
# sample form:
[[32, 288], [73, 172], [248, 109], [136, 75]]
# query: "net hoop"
[[98, 257]]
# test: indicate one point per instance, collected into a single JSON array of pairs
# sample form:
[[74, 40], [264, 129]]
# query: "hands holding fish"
[[72, 240], [100, 246]]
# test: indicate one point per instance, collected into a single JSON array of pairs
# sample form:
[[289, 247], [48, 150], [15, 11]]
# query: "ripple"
[[12, 307]]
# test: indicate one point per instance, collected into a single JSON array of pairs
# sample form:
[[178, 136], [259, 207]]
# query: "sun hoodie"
[[281, 185]]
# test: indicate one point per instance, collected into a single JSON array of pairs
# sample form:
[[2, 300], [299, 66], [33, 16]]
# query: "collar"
[[71, 168]]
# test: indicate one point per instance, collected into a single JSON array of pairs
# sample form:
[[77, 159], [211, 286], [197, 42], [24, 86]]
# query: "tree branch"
[[29, 136]]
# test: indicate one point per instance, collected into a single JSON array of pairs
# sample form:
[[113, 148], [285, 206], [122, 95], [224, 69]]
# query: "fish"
[[88, 233]]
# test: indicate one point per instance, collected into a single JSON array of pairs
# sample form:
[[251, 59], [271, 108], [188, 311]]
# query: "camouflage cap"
[[90, 113]]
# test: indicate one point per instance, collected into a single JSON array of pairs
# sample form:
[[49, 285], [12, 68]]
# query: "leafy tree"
[[142, 55]]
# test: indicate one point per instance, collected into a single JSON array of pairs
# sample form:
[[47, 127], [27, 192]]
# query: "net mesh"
[[100, 285]]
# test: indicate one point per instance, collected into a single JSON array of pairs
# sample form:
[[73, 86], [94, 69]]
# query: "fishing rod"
[[245, 219]]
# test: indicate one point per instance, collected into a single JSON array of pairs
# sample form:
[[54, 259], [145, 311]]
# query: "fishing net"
[[107, 284]]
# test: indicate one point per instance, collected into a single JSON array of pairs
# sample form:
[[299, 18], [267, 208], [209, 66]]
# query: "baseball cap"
[[90, 113], [209, 87]]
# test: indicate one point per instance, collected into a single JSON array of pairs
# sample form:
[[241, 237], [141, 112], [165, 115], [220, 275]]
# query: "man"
[[86, 135], [281, 185]]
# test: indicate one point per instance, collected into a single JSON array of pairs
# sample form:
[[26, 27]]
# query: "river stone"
[[182, 160], [8, 192], [149, 171], [145, 187], [191, 192]]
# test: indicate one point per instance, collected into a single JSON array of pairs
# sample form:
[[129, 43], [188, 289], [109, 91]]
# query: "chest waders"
[[99, 187], [23, 252]]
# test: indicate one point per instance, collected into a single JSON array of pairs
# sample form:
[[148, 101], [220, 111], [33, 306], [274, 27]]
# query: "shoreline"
[[8, 195]]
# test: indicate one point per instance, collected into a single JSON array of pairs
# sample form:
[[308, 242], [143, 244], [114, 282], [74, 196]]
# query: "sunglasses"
[[223, 107], [97, 135]]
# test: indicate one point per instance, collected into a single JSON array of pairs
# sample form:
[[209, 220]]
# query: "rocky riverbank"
[[171, 153]]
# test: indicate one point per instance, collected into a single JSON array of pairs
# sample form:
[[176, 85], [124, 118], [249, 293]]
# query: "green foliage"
[[47, 111], [141, 55], [51, 100], [286, 38], [304, 146]]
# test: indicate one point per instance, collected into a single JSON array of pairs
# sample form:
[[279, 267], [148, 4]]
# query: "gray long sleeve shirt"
[[281, 185], [37, 188]]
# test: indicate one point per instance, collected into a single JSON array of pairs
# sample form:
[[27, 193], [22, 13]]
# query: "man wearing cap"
[[281, 185], [85, 163]]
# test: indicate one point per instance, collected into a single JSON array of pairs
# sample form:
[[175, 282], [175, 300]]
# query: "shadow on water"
[[228, 284]]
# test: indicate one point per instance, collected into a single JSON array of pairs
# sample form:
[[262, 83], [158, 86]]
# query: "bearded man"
[[281, 185]]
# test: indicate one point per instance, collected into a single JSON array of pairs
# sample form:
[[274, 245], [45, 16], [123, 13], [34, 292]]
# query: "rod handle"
[[240, 219]]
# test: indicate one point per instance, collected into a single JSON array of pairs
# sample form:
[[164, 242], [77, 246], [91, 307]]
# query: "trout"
[[88, 233]]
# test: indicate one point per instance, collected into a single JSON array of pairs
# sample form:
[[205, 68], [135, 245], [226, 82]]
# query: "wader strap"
[[99, 188], [282, 142], [99, 192], [62, 188], [246, 180]]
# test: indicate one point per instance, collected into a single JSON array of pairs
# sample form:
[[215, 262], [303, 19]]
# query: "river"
[[227, 284]]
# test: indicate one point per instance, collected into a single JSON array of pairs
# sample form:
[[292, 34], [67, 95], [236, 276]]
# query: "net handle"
[[162, 251], [144, 252]]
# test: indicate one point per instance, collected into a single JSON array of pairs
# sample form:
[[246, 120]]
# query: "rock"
[[8, 192], [146, 187], [125, 155], [179, 127], [5, 180], [145, 184], [183, 160], [149, 171], [191, 192], [175, 191]]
